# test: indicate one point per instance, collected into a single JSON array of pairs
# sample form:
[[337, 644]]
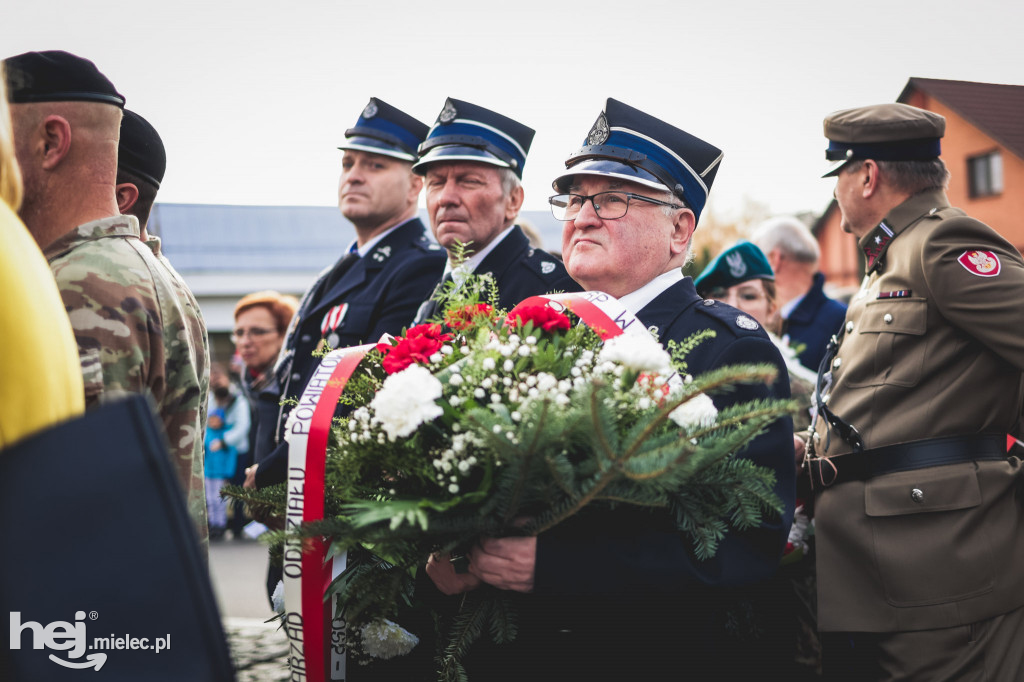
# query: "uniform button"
[[849, 327], [306, 338], [296, 376], [917, 495], [837, 363], [888, 318], [709, 302]]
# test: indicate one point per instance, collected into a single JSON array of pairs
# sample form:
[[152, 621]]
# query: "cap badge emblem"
[[980, 263], [599, 133], [371, 110], [449, 113], [744, 322], [737, 266], [547, 267]]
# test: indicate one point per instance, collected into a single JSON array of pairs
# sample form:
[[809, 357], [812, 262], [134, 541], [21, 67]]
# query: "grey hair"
[[909, 177], [790, 236], [509, 180]]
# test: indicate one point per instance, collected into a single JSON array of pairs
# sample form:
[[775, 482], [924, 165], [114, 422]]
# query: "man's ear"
[[683, 225], [870, 178], [127, 194], [56, 140], [514, 203], [415, 187]]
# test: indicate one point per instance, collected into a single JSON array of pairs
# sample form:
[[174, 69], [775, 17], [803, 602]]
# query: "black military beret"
[[57, 76], [141, 151]]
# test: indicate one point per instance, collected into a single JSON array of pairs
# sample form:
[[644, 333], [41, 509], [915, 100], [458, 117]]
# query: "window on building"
[[986, 174]]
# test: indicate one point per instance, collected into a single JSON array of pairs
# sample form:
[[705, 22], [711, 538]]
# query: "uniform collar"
[[365, 248], [114, 226], [875, 243], [635, 301]]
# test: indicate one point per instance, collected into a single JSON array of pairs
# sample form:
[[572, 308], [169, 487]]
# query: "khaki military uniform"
[[932, 347], [134, 335]]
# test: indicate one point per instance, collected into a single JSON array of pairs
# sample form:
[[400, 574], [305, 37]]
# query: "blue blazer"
[[519, 270], [618, 593], [813, 322], [381, 290]]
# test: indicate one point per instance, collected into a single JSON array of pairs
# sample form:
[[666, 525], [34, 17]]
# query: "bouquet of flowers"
[[497, 424]]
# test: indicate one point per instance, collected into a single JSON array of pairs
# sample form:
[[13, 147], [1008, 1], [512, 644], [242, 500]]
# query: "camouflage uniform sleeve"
[[111, 302], [133, 338]]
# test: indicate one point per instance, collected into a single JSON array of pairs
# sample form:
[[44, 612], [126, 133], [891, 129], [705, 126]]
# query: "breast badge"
[[980, 263]]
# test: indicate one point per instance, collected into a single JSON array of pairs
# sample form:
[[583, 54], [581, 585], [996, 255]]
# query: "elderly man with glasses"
[[617, 594]]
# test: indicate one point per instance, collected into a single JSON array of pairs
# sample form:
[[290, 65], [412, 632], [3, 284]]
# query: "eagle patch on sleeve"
[[980, 263]]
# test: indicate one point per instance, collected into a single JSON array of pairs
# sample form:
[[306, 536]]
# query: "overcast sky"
[[251, 98]]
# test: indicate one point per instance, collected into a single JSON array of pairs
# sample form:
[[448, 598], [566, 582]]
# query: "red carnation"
[[542, 317], [467, 316], [418, 344]]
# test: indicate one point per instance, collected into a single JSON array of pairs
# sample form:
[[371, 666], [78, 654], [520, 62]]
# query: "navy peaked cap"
[[467, 132], [383, 129], [884, 132], [140, 150], [57, 76], [628, 144], [739, 263]]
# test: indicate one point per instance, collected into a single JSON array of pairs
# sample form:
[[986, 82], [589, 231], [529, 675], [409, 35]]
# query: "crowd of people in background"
[[895, 453]]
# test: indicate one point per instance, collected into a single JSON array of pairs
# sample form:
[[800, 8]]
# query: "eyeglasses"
[[607, 205], [255, 333]]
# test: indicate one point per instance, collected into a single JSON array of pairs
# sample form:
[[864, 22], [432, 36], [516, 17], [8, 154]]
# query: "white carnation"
[[698, 411], [385, 639], [641, 353], [406, 400], [278, 597]]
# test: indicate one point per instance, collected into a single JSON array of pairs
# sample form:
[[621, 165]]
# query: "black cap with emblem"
[[629, 144], [383, 129], [468, 132]]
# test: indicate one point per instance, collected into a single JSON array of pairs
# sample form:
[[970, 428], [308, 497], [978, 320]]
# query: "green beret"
[[739, 263]]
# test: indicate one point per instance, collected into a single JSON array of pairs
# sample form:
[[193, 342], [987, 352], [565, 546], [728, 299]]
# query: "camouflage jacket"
[[135, 335]]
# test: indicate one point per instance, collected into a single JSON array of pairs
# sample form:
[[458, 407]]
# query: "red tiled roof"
[[996, 110]]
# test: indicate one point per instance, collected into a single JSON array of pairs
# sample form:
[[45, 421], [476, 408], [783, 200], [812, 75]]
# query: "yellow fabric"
[[40, 374]]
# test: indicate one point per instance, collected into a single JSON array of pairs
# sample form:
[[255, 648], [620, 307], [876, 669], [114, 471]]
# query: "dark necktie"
[[432, 305]]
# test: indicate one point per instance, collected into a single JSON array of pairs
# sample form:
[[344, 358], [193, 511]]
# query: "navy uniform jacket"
[[813, 322], [618, 594], [381, 290], [520, 271]]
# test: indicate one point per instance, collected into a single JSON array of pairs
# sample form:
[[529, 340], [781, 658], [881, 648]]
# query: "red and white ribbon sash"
[[602, 312], [315, 654]]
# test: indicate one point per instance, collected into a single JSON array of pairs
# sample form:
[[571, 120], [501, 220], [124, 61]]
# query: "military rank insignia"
[[980, 263], [329, 326]]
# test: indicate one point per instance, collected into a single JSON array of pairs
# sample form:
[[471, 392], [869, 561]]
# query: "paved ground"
[[238, 569]]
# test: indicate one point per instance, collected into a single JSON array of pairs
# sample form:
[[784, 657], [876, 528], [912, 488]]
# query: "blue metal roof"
[[213, 238]]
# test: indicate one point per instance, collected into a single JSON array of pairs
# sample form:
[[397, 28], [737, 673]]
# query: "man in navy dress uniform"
[[376, 287], [472, 163], [618, 594], [809, 317]]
